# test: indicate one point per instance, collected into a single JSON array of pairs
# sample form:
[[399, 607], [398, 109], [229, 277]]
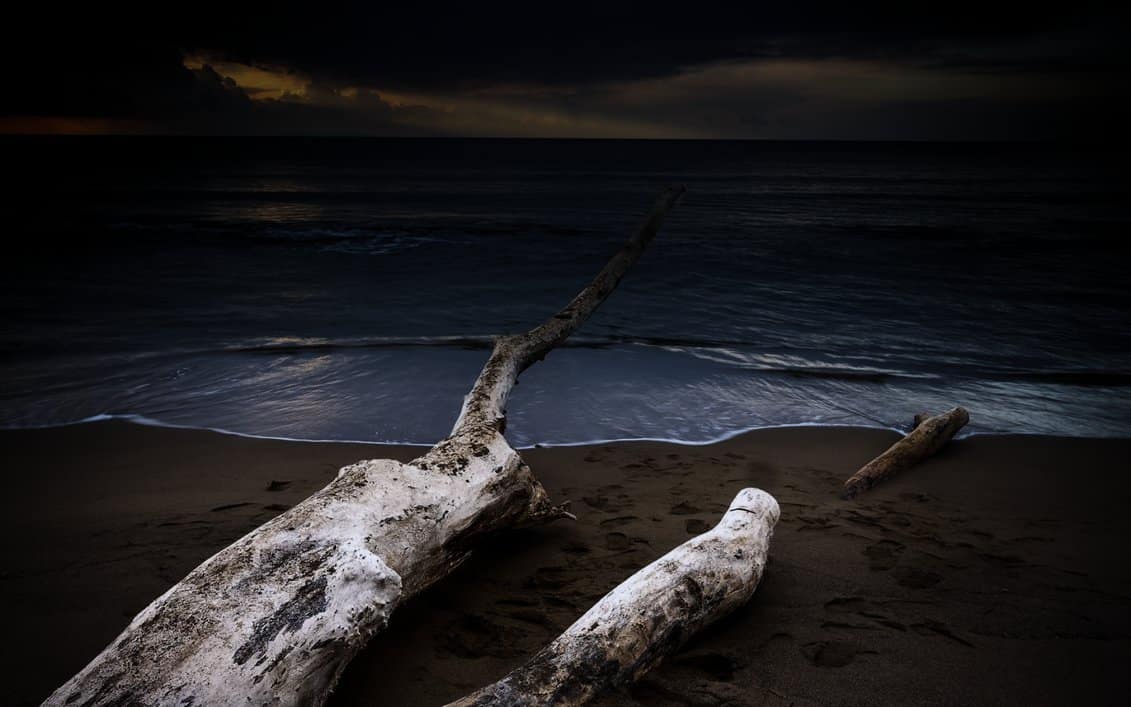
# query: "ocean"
[[349, 289]]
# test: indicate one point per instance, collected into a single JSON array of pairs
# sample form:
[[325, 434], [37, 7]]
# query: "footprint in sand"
[[1034, 539], [859, 608], [684, 509], [617, 541], [550, 578], [829, 654], [916, 578], [694, 526], [775, 643], [605, 503], [814, 522], [473, 636], [536, 617], [914, 496], [560, 603], [718, 667], [846, 604], [931, 627], [848, 626], [618, 521], [884, 555], [575, 548], [1002, 561]]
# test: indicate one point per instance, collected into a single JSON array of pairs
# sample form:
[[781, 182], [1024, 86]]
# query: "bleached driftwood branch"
[[928, 436], [275, 617], [649, 615]]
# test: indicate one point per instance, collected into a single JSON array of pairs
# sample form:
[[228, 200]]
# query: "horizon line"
[[287, 136]]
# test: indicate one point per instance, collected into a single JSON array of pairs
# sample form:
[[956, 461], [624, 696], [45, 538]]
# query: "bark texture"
[[929, 435], [276, 616], [649, 615]]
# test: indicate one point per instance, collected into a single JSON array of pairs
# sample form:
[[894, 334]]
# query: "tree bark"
[[276, 616], [928, 436], [649, 615]]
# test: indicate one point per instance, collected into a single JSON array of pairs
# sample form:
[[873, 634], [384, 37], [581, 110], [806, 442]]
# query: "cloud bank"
[[706, 70]]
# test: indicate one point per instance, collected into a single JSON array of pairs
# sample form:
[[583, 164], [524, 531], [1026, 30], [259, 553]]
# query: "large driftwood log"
[[649, 615], [928, 437], [275, 617]]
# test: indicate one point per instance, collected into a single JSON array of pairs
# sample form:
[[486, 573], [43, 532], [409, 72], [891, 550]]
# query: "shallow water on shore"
[[340, 289]]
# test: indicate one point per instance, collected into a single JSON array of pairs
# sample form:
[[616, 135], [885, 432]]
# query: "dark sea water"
[[349, 289]]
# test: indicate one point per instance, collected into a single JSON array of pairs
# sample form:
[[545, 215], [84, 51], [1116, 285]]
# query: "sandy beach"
[[992, 574]]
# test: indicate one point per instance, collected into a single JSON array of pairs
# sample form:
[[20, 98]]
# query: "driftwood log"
[[275, 617], [649, 615], [928, 436]]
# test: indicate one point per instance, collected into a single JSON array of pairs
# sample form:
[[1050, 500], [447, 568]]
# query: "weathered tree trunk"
[[275, 617], [928, 436], [649, 615]]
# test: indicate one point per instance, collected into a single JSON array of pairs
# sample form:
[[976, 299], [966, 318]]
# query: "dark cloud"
[[145, 82], [474, 44], [518, 61], [217, 105]]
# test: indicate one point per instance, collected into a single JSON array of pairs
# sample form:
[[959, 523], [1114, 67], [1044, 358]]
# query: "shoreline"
[[987, 575], [144, 421]]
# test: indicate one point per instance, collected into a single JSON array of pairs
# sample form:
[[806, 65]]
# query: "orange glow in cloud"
[[258, 82]]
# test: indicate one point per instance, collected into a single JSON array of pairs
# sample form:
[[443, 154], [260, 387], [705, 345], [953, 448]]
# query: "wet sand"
[[992, 574]]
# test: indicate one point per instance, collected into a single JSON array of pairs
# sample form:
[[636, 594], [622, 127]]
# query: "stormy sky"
[[603, 69]]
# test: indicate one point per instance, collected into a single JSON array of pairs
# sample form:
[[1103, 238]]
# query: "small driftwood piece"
[[928, 436], [275, 617], [649, 615]]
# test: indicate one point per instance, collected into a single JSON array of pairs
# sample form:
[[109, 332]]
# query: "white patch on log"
[[276, 616], [649, 615]]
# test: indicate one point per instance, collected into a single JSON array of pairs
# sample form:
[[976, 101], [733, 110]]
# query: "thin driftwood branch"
[[928, 436], [484, 406], [648, 616], [275, 617]]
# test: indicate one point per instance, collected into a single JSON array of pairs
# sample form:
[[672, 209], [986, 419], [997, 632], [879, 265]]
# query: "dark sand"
[[993, 574]]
